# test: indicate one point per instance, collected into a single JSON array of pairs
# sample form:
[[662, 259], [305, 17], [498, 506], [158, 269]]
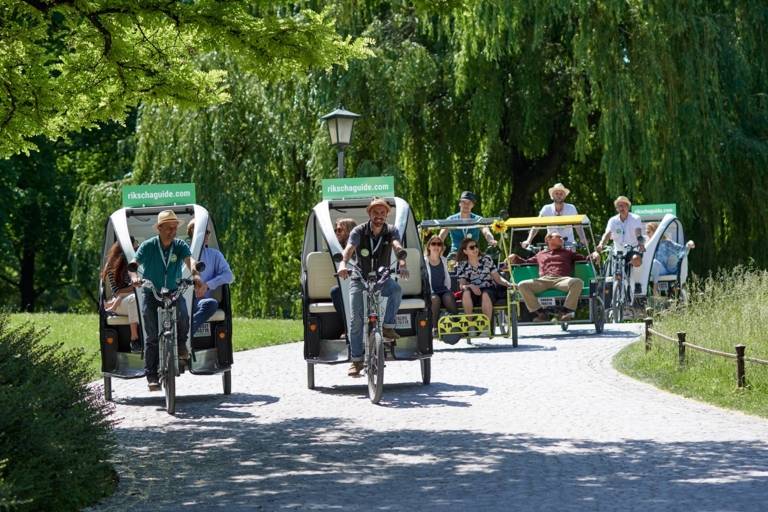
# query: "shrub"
[[56, 437]]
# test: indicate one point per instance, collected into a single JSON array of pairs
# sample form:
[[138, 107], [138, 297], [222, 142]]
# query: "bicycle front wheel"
[[375, 367], [169, 383]]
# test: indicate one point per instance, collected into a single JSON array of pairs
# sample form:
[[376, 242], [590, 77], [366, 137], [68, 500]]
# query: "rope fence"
[[741, 379]]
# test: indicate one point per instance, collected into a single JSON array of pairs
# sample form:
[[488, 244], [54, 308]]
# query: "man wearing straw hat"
[[557, 207], [162, 257]]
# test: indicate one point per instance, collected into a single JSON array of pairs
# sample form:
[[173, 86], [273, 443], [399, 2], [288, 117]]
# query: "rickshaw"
[[211, 344], [591, 309], [323, 327], [453, 327], [673, 285]]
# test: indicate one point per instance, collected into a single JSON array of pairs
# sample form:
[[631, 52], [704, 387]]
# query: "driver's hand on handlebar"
[[343, 272], [524, 244], [404, 273], [492, 242], [595, 256], [136, 282]]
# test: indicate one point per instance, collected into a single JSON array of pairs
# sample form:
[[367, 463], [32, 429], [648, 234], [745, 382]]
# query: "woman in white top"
[[439, 280]]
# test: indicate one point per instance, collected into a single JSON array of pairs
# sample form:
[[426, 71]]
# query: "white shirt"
[[625, 232], [548, 210]]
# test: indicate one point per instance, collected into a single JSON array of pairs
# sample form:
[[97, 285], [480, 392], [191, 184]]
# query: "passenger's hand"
[[595, 255], [513, 258], [201, 289], [475, 289], [524, 244], [690, 244], [599, 248]]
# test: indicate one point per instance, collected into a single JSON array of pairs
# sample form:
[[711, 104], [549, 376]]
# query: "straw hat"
[[165, 217], [558, 186]]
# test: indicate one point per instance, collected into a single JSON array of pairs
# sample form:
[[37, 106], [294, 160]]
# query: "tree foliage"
[[661, 101], [68, 65]]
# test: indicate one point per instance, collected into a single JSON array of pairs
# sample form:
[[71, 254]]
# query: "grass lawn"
[[723, 311], [82, 331]]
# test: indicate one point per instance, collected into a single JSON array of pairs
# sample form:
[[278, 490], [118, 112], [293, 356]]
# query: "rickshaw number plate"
[[403, 321], [547, 301], [663, 286], [203, 331]]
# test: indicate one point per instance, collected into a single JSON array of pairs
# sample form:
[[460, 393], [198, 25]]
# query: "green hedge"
[[56, 436]]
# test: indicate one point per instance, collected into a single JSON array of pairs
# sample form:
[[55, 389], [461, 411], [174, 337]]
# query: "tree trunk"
[[27, 277]]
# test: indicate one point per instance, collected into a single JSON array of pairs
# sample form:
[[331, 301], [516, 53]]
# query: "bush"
[[56, 437]]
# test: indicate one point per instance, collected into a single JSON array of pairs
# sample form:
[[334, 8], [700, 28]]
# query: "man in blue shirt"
[[162, 258], [216, 273], [467, 201]]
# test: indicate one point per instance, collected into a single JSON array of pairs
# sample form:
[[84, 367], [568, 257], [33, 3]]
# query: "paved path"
[[547, 426]]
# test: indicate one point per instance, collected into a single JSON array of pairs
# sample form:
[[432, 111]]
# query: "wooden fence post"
[[681, 349], [740, 377], [648, 326]]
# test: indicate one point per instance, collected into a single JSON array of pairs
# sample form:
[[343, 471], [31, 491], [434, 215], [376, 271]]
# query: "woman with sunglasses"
[[439, 279], [342, 229], [477, 274]]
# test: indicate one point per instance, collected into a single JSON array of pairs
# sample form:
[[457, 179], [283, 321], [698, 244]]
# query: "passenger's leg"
[[487, 304], [528, 289], [449, 302], [656, 269], [202, 310], [466, 302], [572, 286], [357, 320], [436, 302]]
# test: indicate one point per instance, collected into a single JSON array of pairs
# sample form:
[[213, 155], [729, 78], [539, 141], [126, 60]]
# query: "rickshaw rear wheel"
[[226, 380], [108, 389], [426, 371], [310, 376]]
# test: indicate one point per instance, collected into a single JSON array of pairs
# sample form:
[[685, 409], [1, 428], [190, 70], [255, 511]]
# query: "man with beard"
[[372, 244], [558, 207]]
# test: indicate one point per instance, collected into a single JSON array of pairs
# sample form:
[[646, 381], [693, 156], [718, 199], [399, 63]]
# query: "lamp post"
[[340, 123]]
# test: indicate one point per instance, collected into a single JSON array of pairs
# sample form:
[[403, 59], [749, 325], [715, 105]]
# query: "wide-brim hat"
[[166, 216], [469, 196], [556, 187], [378, 202], [622, 199]]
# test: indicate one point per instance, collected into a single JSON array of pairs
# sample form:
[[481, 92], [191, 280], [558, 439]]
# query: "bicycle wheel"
[[375, 370], [169, 382]]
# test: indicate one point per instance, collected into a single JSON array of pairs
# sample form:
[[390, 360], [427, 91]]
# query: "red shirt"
[[556, 263]]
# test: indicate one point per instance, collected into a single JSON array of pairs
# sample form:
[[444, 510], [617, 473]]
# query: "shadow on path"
[[324, 464]]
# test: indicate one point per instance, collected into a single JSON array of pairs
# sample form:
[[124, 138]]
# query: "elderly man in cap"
[[372, 244], [467, 201], [216, 273], [555, 270], [161, 257], [558, 207]]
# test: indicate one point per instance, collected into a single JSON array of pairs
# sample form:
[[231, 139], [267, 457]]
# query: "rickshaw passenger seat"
[[412, 298], [320, 280]]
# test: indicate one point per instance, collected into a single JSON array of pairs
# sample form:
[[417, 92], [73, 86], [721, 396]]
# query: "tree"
[[69, 65], [661, 101]]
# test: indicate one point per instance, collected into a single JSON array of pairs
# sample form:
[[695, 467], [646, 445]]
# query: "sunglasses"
[[471, 247], [439, 244]]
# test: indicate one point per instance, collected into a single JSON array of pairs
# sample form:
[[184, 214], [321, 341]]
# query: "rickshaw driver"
[[372, 244], [467, 201], [162, 256], [558, 207], [625, 228]]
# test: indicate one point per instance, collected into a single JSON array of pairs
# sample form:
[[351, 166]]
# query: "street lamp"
[[340, 123]]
